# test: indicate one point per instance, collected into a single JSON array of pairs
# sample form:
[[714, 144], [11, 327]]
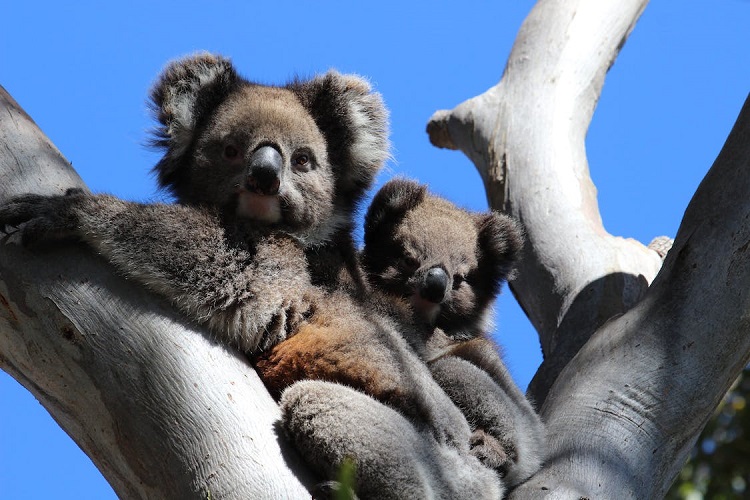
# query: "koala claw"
[[285, 322], [39, 218], [490, 451]]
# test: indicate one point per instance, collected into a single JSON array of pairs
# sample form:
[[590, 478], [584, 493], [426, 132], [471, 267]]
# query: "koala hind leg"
[[329, 423]]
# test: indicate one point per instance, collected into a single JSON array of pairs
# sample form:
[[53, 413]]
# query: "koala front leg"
[[508, 434], [182, 254], [45, 219]]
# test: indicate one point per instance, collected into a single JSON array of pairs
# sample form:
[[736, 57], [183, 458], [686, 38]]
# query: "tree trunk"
[[624, 397], [161, 409], [634, 362]]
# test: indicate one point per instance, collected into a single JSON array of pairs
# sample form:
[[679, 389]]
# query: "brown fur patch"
[[326, 349]]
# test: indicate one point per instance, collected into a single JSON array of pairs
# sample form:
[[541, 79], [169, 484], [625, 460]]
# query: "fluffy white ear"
[[354, 121], [186, 91]]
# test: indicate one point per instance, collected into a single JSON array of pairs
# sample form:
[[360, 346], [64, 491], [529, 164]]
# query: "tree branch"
[[161, 409], [624, 414], [633, 392], [526, 137]]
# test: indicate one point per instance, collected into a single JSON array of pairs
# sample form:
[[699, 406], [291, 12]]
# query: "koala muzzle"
[[434, 285], [264, 171]]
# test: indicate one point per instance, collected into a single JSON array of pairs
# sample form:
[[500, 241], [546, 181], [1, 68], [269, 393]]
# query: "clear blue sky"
[[82, 71]]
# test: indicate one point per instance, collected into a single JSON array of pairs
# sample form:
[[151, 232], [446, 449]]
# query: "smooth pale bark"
[[625, 412], [624, 398], [631, 373], [526, 137], [161, 409]]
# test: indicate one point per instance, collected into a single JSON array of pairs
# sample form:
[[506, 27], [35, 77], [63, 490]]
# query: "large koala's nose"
[[264, 171], [434, 286]]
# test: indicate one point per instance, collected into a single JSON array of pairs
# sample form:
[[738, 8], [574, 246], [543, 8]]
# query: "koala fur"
[[259, 249], [449, 264], [232, 253], [398, 459]]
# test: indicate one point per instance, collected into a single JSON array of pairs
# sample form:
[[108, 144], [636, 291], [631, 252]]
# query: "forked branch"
[[526, 137], [624, 397]]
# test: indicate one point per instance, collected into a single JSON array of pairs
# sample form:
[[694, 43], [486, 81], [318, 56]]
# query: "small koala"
[[436, 270], [259, 249], [449, 264]]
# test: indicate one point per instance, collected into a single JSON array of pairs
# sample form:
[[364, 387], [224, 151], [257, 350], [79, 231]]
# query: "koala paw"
[[286, 321], [490, 451], [38, 219]]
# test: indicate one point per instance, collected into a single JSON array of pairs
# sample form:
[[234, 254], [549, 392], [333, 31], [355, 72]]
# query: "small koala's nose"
[[264, 171], [434, 285]]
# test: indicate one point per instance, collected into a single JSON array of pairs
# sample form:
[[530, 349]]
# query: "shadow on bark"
[[577, 326]]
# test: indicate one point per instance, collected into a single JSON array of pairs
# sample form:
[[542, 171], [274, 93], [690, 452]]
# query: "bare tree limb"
[[631, 372], [624, 398], [526, 136], [161, 409], [625, 412]]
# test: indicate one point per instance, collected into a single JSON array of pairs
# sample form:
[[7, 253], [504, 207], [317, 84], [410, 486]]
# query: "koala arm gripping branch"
[[183, 254]]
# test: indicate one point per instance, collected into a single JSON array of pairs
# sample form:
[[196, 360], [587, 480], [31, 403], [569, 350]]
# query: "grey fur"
[[410, 232], [257, 267], [399, 460], [247, 280]]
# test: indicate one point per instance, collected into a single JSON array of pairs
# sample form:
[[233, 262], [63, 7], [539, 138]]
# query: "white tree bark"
[[631, 372], [624, 398], [161, 409], [526, 136]]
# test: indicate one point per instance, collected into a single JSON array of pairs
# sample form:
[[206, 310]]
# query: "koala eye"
[[409, 264], [458, 281], [231, 153], [301, 162]]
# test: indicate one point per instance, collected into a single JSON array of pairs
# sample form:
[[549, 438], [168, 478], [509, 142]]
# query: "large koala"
[[262, 175], [448, 264], [259, 249]]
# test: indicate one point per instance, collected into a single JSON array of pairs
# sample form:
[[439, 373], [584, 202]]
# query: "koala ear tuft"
[[354, 121], [500, 244], [185, 93], [390, 204]]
